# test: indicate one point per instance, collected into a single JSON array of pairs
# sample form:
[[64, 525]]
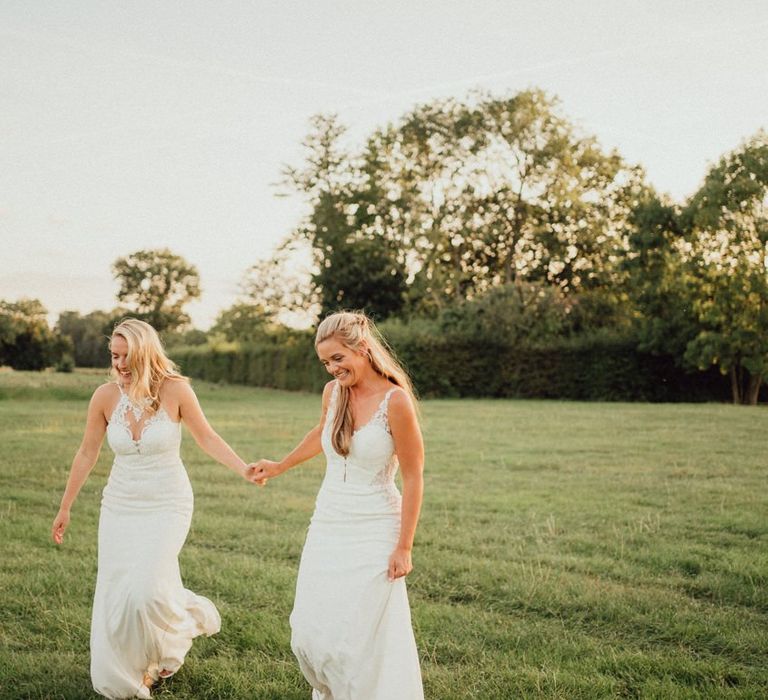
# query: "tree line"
[[494, 218]]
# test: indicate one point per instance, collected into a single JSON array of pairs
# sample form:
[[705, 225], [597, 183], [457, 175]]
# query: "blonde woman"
[[143, 619], [351, 623]]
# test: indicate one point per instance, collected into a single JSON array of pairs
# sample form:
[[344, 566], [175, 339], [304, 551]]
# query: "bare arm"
[[409, 448], [84, 460], [309, 447], [205, 436]]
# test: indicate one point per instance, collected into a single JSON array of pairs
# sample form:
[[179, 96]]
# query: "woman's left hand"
[[249, 473], [400, 563], [265, 469], [59, 527]]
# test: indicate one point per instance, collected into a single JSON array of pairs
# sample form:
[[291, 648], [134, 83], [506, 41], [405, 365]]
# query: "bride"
[[143, 620], [351, 623]]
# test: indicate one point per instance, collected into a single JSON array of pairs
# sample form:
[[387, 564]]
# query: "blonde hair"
[[147, 360], [354, 329]]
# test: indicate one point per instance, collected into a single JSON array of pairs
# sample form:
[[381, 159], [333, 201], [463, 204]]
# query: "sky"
[[145, 124]]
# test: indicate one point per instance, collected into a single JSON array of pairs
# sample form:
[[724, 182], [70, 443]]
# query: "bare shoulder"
[[402, 416], [177, 389], [327, 391], [105, 394], [104, 400], [400, 402]]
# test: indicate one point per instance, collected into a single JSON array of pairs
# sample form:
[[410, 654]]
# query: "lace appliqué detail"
[[385, 477], [380, 416], [119, 416], [385, 480], [332, 404]]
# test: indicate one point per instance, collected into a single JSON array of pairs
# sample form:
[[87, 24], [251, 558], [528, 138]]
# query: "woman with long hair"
[[351, 624], [143, 620]]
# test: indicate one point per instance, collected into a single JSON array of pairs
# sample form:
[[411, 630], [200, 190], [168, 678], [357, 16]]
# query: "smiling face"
[[118, 346], [347, 365]]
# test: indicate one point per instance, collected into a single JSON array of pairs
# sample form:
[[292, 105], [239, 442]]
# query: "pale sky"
[[146, 124]]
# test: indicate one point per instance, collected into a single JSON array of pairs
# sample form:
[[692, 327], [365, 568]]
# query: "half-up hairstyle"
[[353, 330], [147, 361]]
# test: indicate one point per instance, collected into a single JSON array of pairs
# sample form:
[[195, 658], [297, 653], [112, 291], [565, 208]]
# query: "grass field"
[[566, 550]]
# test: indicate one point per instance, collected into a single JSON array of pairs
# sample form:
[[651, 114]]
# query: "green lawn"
[[566, 550]]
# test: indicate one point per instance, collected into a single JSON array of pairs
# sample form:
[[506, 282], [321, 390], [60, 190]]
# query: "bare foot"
[[148, 680]]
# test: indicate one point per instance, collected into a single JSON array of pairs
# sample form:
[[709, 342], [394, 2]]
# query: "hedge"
[[291, 366], [588, 369]]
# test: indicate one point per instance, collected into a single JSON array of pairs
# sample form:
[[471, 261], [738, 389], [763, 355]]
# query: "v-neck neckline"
[[374, 414], [119, 417]]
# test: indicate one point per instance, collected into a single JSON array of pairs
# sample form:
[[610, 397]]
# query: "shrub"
[[66, 363], [601, 366]]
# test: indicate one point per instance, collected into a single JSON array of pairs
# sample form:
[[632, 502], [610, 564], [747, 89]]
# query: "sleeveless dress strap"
[[333, 400], [125, 404], [335, 393], [383, 410], [118, 412], [387, 396]]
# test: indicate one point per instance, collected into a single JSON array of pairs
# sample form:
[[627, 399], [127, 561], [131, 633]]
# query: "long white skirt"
[[351, 627], [144, 620]]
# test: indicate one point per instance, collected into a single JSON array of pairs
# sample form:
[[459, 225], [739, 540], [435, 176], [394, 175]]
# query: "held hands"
[[400, 563], [249, 474], [59, 526], [264, 469]]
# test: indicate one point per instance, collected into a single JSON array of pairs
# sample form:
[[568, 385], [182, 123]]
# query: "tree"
[[699, 274], [187, 338], [726, 263], [89, 334], [497, 190], [360, 274], [277, 293], [241, 322], [529, 313], [659, 288], [157, 284], [26, 340], [457, 198], [355, 267], [281, 288]]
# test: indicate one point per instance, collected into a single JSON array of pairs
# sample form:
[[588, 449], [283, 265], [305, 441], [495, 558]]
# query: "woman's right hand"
[[266, 469], [249, 474], [60, 523]]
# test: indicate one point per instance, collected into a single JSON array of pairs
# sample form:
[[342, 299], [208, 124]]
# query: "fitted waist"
[[338, 499], [357, 473], [168, 461], [148, 484]]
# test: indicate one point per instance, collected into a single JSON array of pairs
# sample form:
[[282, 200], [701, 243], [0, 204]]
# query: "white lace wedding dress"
[[351, 627], [144, 620]]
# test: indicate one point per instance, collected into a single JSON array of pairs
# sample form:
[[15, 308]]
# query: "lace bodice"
[[371, 458], [148, 433]]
